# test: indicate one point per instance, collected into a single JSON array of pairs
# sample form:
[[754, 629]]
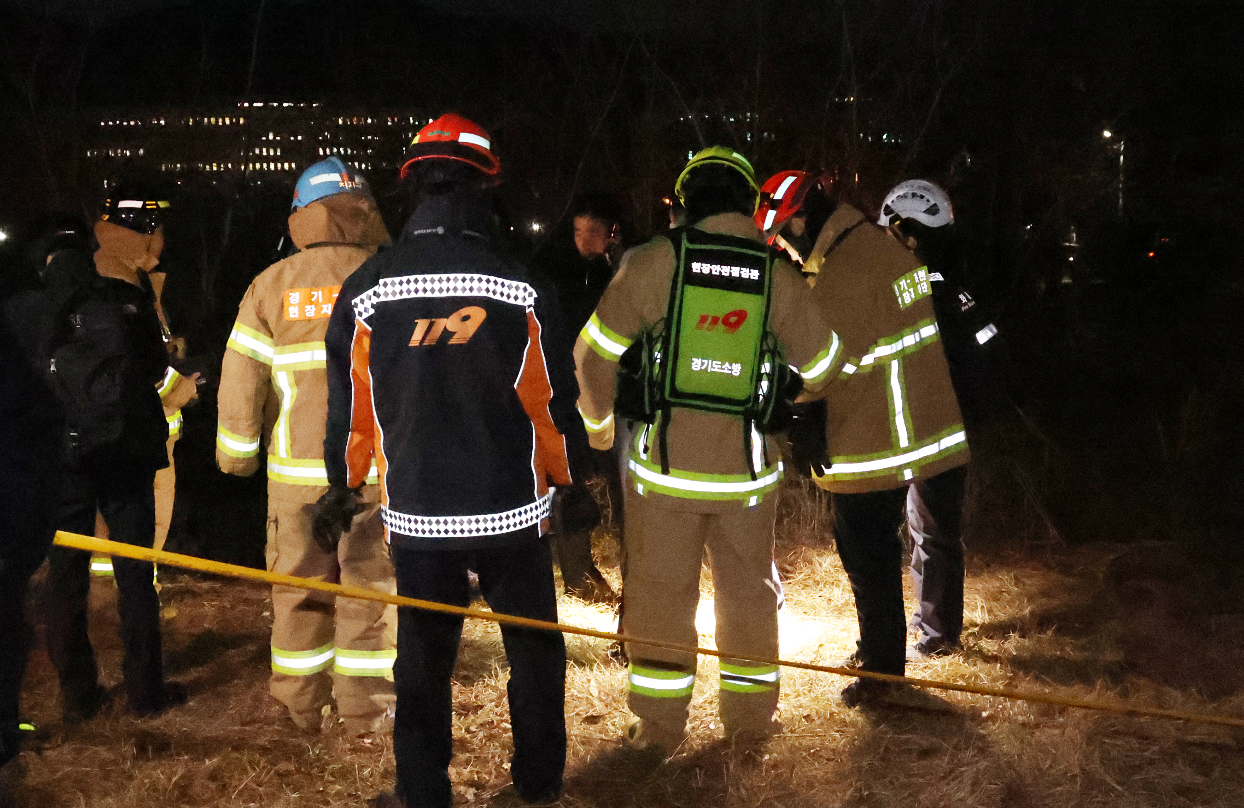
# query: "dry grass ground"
[[1049, 626]]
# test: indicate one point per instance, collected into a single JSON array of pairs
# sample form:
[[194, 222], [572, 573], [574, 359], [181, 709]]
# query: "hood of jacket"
[[338, 219], [123, 253], [844, 218], [464, 211]]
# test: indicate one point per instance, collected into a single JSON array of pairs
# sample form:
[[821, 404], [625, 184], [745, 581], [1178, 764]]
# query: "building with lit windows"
[[253, 137]]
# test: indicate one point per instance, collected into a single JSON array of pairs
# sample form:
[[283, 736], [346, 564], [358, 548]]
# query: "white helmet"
[[919, 200]]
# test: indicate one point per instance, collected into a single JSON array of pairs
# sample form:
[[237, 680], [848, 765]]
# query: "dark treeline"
[[1131, 369]]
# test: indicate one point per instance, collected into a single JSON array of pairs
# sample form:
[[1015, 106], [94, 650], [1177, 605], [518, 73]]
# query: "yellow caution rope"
[[104, 547]]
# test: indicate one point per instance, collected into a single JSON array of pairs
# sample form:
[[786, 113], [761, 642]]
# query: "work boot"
[[593, 588], [512, 797], [866, 693], [925, 650], [639, 736], [386, 799], [170, 695], [80, 706], [12, 738]]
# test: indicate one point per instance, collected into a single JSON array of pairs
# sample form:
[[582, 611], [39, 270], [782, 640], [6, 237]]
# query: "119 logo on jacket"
[[310, 304], [731, 320], [463, 324]]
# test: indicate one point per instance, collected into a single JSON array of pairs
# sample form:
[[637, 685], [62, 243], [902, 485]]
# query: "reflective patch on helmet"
[[317, 179], [783, 188], [467, 137]]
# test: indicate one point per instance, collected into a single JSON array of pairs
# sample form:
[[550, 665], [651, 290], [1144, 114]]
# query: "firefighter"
[[715, 316], [893, 421], [274, 389], [918, 213], [118, 480], [447, 366]]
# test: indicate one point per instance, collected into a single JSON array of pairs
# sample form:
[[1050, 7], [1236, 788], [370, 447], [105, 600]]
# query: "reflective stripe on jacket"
[[448, 370], [894, 417], [272, 380]]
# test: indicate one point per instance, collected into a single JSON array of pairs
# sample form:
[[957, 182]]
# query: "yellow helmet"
[[723, 155]]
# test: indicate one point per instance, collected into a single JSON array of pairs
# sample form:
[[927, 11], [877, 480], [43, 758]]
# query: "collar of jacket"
[[844, 220], [123, 253], [338, 219], [729, 224], [465, 212]]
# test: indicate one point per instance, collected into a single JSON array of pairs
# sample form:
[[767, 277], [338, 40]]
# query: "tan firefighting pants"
[[313, 632], [661, 590], [165, 493]]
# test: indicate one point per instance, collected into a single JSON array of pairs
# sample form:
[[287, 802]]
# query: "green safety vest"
[[713, 351]]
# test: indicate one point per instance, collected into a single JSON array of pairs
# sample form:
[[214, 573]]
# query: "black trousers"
[[514, 580], [126, 499], [26, 529], [934, 519], [574, 548], [866, 531]]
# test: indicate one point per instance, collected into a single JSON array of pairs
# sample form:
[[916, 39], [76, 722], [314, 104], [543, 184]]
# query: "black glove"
[[809, 449], [574, 509], [334, 513]]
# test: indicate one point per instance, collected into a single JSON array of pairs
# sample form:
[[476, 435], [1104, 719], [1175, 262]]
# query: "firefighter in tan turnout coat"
[[707, 484], [894, 427], [273, 386]]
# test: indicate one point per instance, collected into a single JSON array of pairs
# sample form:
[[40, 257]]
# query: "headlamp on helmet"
[[135, 212]]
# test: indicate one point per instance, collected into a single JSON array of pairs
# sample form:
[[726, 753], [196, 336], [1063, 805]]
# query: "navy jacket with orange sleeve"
[[446, 364]]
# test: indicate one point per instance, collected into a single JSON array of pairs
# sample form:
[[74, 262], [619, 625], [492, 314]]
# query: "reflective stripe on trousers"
[[364, 663], [745, 679], [659, 683], [302, 663]]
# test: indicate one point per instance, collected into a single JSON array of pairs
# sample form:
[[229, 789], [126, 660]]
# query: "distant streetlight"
[[1107, 134], [3, 236], [536, 227]]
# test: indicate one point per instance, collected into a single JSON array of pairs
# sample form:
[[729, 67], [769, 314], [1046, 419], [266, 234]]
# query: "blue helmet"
[[325, 178]]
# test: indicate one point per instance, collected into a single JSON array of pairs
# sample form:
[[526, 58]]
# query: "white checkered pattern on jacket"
[[484, 524], [449, 285]]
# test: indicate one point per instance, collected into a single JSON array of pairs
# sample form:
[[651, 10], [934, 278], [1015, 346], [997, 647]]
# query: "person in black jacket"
[[114, 478], [448, 365], [31, 426], [579, 261]]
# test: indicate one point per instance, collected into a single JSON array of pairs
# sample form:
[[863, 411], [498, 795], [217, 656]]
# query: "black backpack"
[[88, 366]]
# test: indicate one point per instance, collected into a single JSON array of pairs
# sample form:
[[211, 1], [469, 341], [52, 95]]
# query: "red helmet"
[[452, 137], [781, 197]]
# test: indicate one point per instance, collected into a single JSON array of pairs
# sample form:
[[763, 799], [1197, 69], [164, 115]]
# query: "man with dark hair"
[[446, 365], [579, 263], [719, 319]]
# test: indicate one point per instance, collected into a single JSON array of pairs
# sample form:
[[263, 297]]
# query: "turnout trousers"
[[322, 644], [664, 551], [934, 518], [515, 580], [125, 498]]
